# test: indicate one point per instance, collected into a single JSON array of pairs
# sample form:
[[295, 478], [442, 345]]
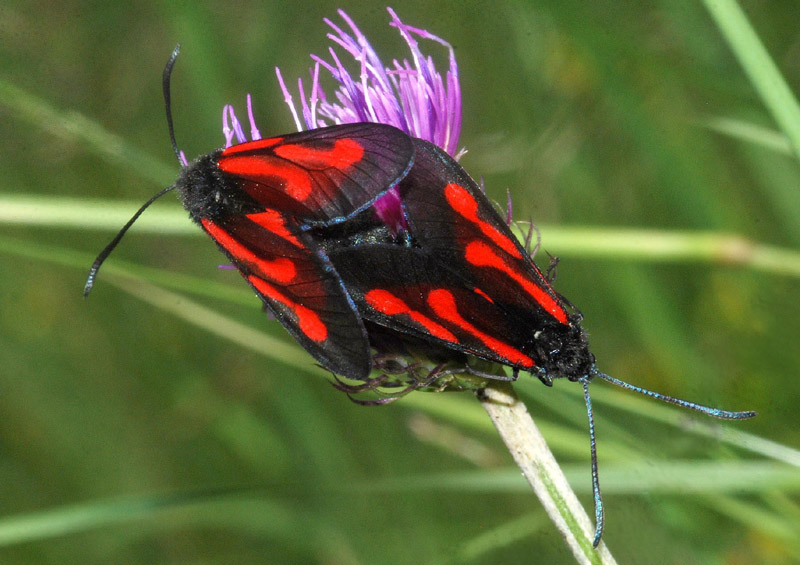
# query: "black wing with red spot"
[[321, 176], [464, 282], [451, 218], [299, 286], [413, 291], [258, 201]]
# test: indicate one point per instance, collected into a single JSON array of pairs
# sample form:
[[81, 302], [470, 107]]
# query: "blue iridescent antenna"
[[709, 411], [599, 516], [715, 412]]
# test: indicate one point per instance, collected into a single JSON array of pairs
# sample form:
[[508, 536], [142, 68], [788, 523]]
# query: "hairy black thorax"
[[207, 192]]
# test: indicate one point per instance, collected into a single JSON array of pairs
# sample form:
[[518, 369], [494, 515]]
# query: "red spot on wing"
[[342, 155], [443, 304], [266, 170], [465, 204], [274, 222], [258, 145], [307, 320], [486, 296], [387, 303], [481, 255], [287, 165], [280, 270]]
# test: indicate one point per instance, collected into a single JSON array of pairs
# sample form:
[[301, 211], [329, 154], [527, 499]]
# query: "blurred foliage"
[[128, 435]]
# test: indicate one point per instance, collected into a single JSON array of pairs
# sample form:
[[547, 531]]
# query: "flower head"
[[409, 95]]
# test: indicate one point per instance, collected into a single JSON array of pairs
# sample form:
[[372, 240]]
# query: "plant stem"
[[608, 243], [762, 71], [539, 466]]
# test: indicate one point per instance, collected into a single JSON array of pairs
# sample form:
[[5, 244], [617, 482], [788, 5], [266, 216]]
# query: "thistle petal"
[[412, 96]]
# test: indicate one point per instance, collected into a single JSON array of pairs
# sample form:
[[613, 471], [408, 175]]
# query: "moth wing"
[[299, 285], [321, 176], [414, 292], [451, 218]]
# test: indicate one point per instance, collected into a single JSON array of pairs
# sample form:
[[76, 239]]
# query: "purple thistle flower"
[[412, 96], [409, 95]]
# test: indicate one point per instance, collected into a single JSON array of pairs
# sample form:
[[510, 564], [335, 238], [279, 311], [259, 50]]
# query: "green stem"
[[759, 66], [73, 126], [540, 468], [673, 246], [606, 243]]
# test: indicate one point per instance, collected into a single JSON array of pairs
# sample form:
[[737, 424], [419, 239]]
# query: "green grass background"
[[165, 420]]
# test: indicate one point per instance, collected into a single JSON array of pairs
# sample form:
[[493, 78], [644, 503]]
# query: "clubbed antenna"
[[165, 82], [707, 410], [110, 247], [165, 78]]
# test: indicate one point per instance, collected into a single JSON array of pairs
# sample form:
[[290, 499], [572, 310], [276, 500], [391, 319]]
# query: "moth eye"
[[217, 196], [537, 334]]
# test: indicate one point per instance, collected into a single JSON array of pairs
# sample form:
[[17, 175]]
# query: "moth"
[[294, 214]]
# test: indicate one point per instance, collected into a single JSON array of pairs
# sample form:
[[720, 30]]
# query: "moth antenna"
[[110, 247], [708, 410], [599, 515], [165, 82]]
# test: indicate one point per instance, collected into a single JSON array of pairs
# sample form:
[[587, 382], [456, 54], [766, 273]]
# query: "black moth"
[[294, 214]]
